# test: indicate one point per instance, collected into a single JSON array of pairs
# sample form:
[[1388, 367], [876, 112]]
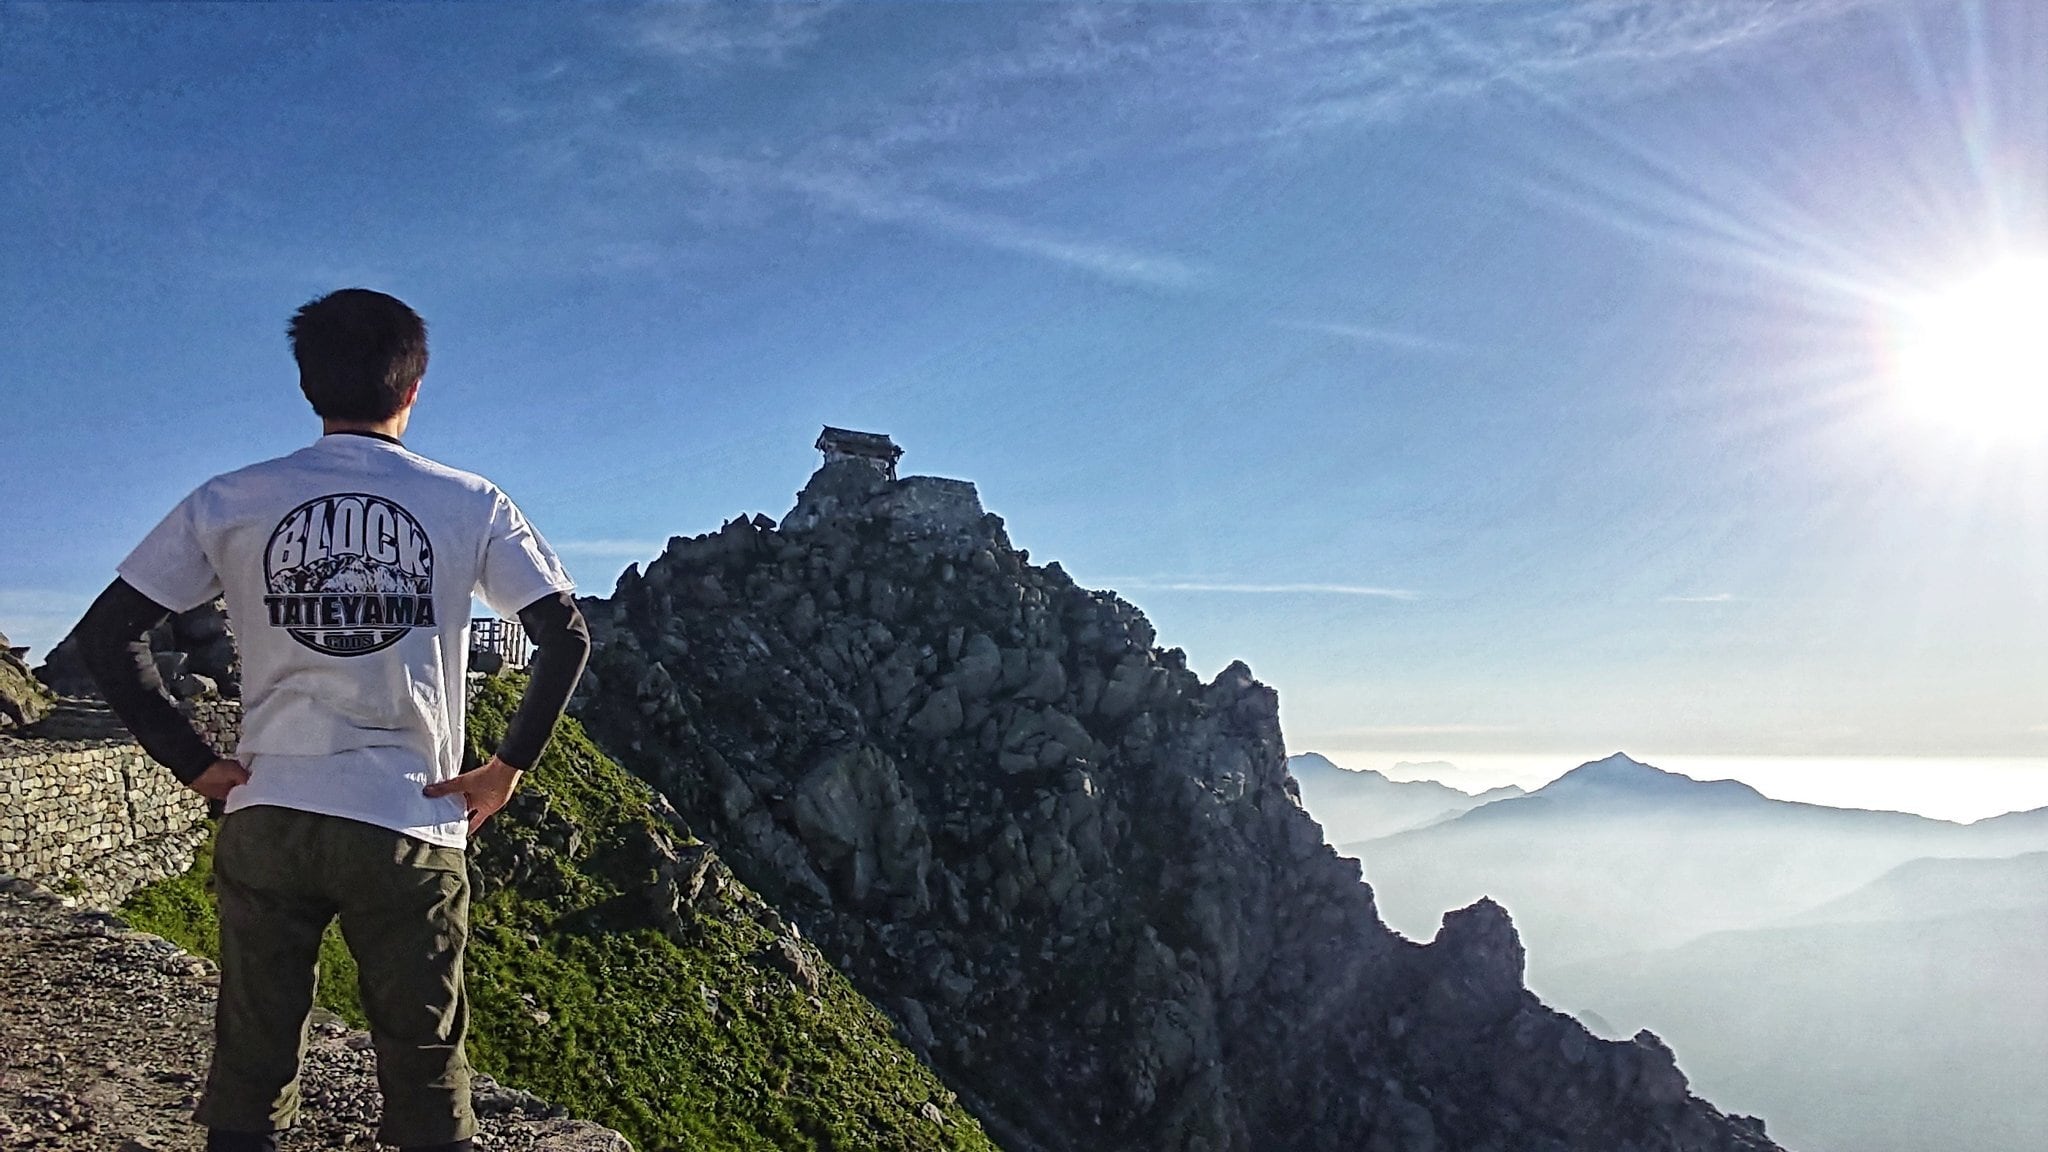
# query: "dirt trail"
[[104, 1035]]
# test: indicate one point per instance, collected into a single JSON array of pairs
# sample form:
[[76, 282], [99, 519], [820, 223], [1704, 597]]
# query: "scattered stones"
[[103, 1045], [793, 960]]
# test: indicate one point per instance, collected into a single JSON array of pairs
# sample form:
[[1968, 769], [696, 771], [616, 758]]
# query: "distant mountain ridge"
[[1867, 981], [1361, 804], [1909, 1015], [1685, 856], [1938, 887], [1618, 777]]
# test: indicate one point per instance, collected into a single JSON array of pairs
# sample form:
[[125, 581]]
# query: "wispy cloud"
[[1709, 598], [964, 145], [1420, 739], [613, 549], [39, 617], [39, 602], [725, 33], [1370, 730], [1204, 72], [1383, 736], [1255, 589], [880, 202], [1366, 334]]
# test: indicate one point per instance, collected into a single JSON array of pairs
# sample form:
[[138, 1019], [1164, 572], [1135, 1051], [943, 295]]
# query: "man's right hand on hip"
[[220, 778]]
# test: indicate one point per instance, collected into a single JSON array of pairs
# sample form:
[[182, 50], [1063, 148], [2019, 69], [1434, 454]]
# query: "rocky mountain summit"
[[1079, 876]]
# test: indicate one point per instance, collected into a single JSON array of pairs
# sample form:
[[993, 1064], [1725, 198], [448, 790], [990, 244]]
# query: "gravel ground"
[[104, 1035]]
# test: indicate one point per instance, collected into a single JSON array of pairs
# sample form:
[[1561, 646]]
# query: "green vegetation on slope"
[[181, 910], [689, 1039]]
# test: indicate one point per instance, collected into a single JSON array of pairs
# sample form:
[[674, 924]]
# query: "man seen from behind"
[[348, 569]]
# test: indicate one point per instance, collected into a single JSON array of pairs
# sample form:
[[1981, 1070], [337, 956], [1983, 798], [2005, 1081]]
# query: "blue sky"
[[1494, 378]]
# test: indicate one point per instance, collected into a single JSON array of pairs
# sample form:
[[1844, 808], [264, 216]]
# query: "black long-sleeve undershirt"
[[113, 640], [561, 643]]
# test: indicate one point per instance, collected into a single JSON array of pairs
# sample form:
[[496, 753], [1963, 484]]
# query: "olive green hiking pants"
[[280, 875]]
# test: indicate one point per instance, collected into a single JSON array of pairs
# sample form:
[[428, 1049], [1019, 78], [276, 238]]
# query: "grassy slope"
[[699, 1046], [181, 910]]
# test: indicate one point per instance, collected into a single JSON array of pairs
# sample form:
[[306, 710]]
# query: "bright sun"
[[1976, 354]]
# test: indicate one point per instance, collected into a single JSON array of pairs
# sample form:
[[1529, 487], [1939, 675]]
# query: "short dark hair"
[[358, 353]]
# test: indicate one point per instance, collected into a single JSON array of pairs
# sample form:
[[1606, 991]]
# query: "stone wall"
[[220, 721], [933, 506], [97, 818]]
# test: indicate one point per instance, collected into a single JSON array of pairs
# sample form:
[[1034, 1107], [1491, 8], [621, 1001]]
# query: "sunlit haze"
[[1976, 353]]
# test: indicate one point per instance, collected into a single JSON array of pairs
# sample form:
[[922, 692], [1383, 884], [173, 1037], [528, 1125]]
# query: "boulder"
[[862, 828], [941, 714], [979, 668], [24, 699], [793, 960], [192, 686]]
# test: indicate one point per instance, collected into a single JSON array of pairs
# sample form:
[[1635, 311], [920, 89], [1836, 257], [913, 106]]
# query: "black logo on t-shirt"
[[349, 574]]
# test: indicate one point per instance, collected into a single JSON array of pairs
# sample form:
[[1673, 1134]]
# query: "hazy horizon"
[[1957, 789], [1864, 982]]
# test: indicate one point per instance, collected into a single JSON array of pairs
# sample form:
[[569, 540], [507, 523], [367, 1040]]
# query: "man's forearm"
[[561, 642], [113, 640]]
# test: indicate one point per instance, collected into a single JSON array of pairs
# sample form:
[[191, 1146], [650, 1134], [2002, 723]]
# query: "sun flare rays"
[[1974, 354]]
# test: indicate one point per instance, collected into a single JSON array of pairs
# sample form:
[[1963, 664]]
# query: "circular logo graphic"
[[349, 574]]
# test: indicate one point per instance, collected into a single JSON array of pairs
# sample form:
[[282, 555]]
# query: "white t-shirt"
[[348, 568]]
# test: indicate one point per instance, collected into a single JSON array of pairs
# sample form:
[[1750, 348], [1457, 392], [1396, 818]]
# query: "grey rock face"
[[24, 700], [1077, 873], [195, 656]]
